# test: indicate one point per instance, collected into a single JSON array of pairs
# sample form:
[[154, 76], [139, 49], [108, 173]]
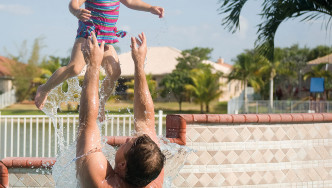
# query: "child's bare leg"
[[113, 71], [74, 68]]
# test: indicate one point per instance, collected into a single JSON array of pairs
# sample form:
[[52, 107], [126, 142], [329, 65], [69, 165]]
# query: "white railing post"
[[118, 126], [112, 125], [18, 138], [129, 130], [43, 138], [49, 136], [160, 122], [74, 128], [12, 136], [105, 126], [30, 137], [124, 126], [37, 135], [24, 137], [5, 141], [67, 130], [55, 136]]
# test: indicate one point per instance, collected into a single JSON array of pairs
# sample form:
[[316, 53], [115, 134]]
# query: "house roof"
[[5, 67], [161, 61], [324, 59]]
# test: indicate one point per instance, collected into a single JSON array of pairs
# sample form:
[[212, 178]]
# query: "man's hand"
[[157, 11], [93, 51], [138, 49], [83, 14]]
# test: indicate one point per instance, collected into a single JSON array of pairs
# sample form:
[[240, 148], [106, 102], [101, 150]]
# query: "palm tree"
[[247, 70], [274, 12], [273, 68], [205, 86]]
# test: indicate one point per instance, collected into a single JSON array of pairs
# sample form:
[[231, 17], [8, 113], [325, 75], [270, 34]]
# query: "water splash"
[[64, 170]]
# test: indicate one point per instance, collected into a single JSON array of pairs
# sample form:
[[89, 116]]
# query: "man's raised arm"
[[88, 135], [91, 164], [143, 104]]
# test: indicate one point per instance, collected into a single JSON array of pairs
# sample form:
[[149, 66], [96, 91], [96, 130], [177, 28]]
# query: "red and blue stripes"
[[104, 15]]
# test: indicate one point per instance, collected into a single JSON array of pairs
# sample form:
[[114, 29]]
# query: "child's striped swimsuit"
[[104, 15]]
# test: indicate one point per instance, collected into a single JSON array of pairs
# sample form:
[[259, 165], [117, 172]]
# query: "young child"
[[100, 17]]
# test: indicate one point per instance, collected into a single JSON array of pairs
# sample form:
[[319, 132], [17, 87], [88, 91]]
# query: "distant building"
[[6, 78], [161, 61], [325, 59]]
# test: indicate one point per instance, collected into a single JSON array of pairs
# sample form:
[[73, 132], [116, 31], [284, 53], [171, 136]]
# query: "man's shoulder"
[[157, 183], [115, 181]]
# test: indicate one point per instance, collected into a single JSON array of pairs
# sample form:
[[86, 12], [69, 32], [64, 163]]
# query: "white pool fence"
[[235, 106], [35, 135]]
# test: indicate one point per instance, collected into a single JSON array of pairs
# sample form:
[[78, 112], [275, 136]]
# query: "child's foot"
[[40, 98]]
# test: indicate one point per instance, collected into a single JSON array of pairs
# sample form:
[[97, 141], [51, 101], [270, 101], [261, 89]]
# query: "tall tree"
[[205, 86], [272, 68], [24, 75], [247, 70], [292, 61], [174, 83], [193, 58], [319, 51]]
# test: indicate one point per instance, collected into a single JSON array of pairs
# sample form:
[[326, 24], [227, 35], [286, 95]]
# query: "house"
[[6, 79], [161, 61]]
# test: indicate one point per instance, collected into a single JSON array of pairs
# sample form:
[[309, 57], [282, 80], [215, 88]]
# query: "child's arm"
[[142, 6], [81, 13]]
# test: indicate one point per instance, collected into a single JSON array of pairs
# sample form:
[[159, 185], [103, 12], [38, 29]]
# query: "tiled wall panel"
[[23, 177], [258, 155]]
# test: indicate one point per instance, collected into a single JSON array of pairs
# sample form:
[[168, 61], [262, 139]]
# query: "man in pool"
[[139, 162]]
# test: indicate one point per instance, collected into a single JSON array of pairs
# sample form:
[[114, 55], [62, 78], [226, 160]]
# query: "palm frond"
[[233, 9]]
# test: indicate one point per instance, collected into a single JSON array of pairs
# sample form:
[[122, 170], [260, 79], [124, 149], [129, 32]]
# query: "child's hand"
[[83, 14], [157, 11]]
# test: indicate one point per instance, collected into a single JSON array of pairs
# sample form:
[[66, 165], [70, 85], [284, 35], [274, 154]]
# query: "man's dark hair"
[[144, 162]]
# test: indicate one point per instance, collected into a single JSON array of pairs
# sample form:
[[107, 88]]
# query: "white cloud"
[[16, 9]]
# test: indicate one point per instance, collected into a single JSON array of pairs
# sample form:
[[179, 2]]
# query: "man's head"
[[143, 161]]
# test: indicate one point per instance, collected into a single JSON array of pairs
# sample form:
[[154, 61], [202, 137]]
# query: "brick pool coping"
[[175, 131]]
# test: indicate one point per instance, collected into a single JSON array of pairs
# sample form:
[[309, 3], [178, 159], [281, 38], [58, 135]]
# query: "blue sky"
[[187, 24]]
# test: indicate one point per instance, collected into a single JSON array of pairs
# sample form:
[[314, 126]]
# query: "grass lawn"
[[121, 107]]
